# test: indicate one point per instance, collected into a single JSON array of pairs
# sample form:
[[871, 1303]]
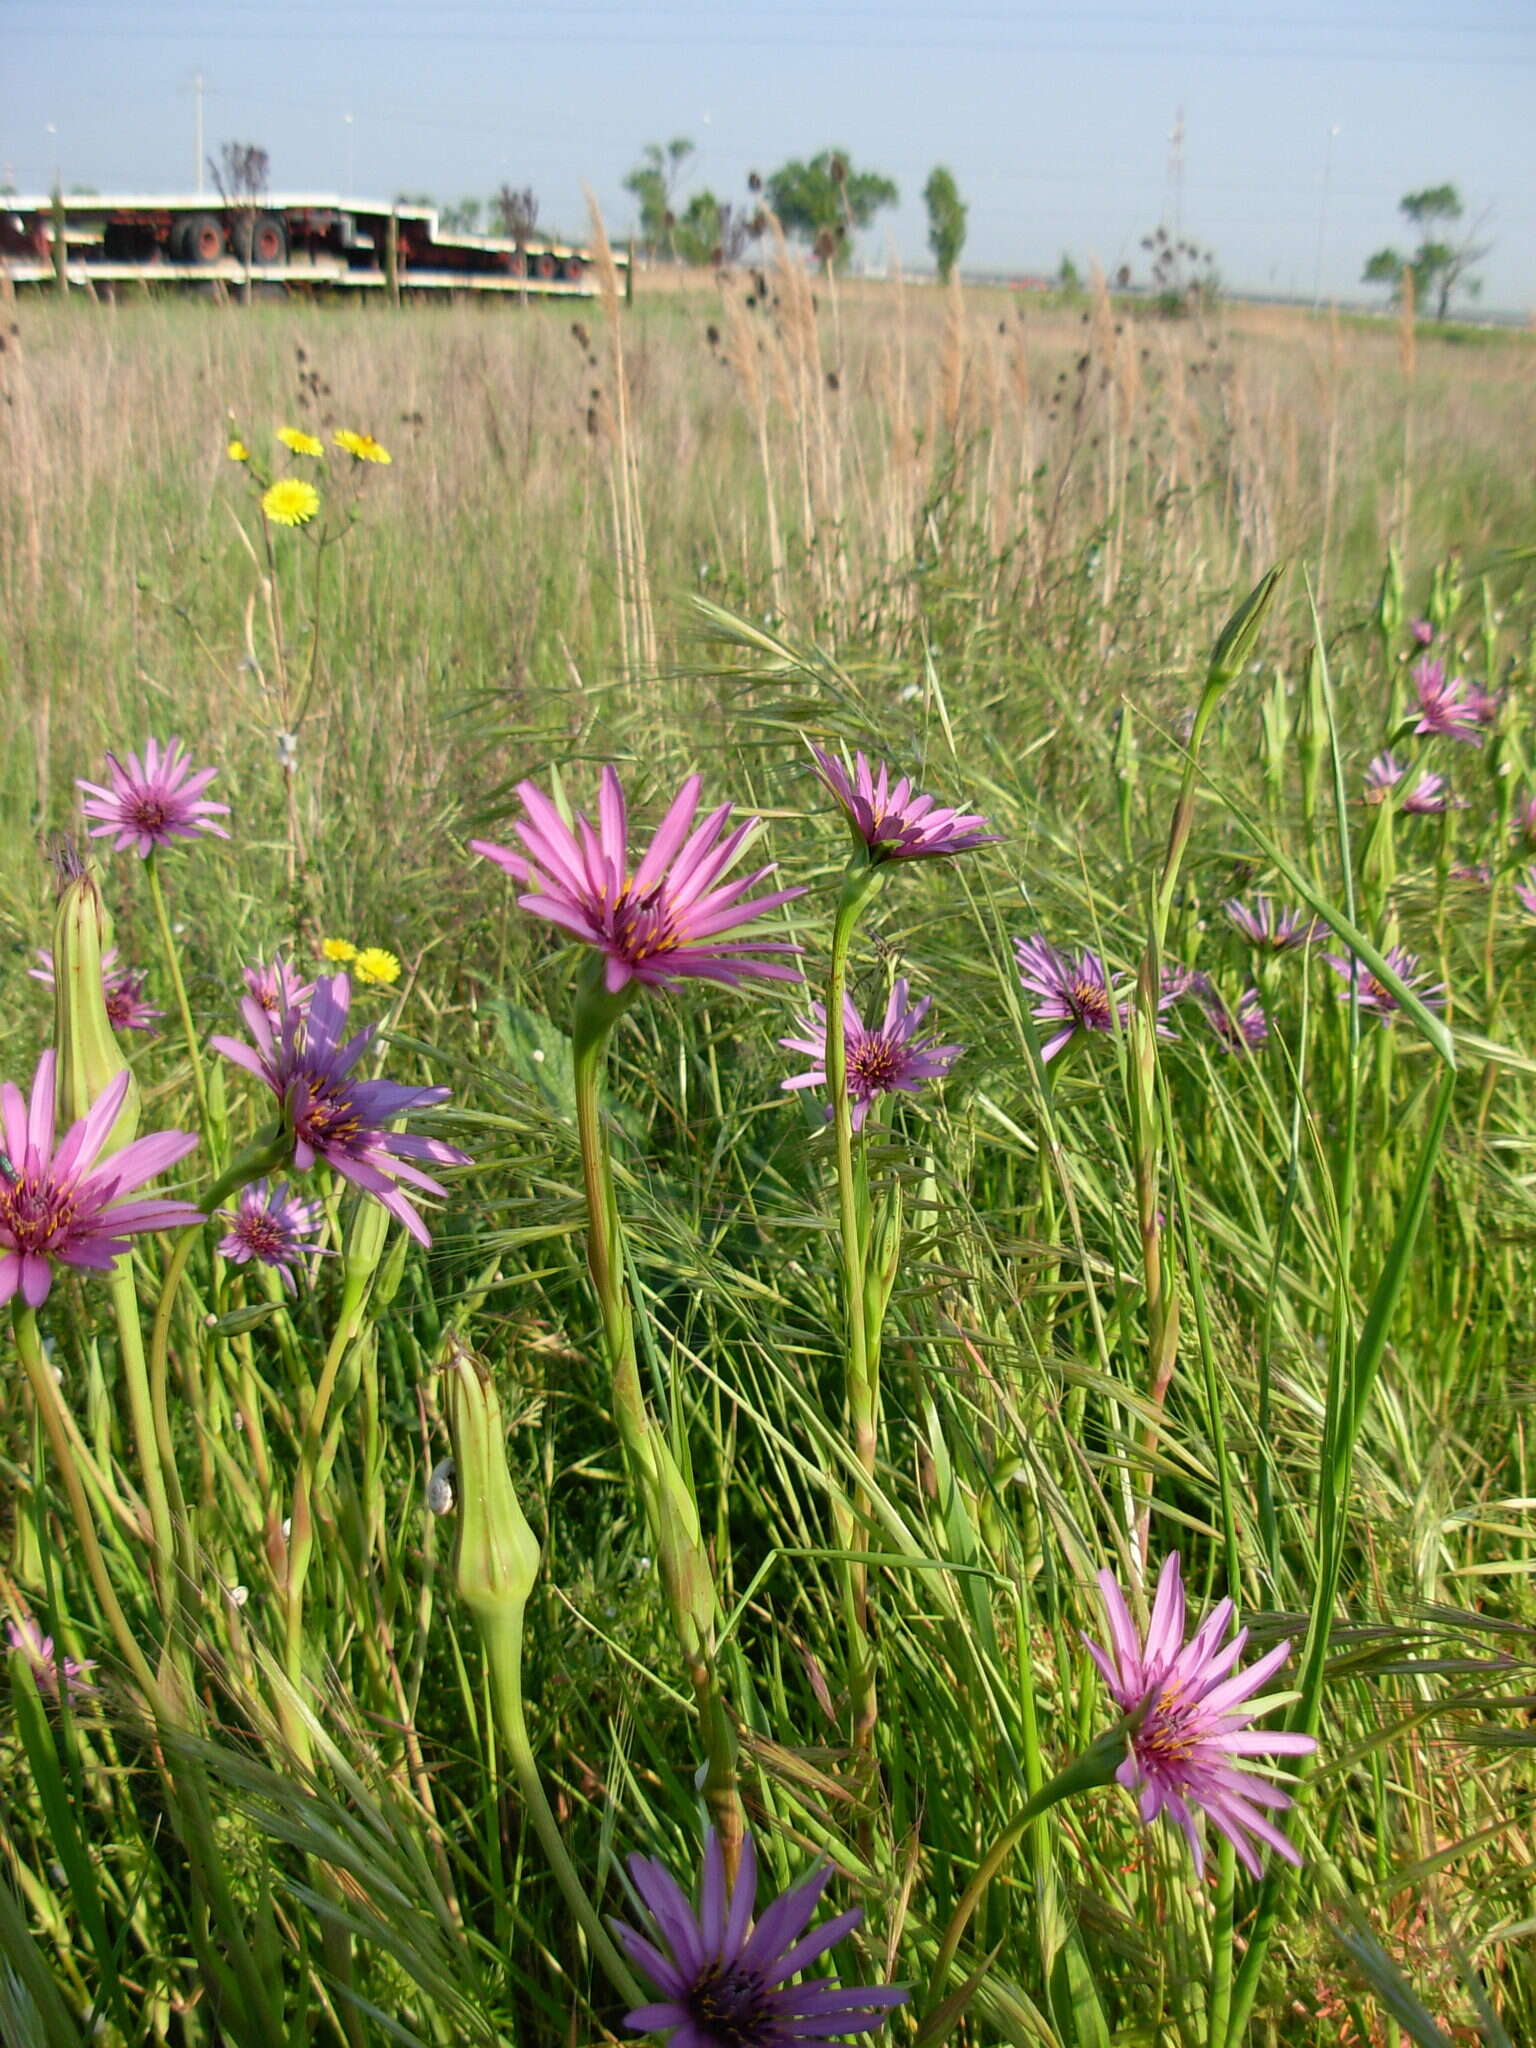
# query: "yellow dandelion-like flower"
[[300, 442], [237, 451], [291, 502], [361, 447], [374, 964], [340, 950]]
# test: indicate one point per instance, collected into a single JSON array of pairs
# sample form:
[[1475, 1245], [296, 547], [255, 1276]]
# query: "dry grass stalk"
[[634, 581]]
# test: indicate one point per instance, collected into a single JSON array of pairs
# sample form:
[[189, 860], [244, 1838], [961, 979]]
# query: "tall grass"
[[994, 547]]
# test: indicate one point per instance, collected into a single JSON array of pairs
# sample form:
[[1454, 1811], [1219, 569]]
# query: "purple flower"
[[1383, 776], [882, 1058], [1271, 929], [1523, 823], [1526, 891], [277, 987], [1374, 994], [271, 1225], [1242, 1029], [154, 801], [1423, 632], [1182, 1756], [1178, 982], [895, 823], [1073, 993], [665, 921], [122, 990], [333, 1114], [1449, 708], [50, 1673], [60, 1204], [723, 1982]]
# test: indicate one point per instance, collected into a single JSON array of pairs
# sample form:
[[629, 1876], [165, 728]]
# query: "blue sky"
[[1056, 122]]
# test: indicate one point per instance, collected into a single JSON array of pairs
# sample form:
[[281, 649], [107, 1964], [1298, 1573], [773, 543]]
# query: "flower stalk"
[[671, 1510]]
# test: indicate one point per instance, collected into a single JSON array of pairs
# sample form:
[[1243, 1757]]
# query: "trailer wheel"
[[263, 239], [545, 265], [199, 239], [573, 269]]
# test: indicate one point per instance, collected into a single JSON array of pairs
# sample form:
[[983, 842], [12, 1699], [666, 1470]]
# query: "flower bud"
[[496, 1557], [1239, 636], [89, 1055], [1389, 603]]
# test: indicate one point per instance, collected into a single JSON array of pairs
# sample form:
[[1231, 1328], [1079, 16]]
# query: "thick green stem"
[[147, 1444], [45, 1394], [503, 1638], [183, 1007], [1096, 1766], [860, 1358], [671, 1510]]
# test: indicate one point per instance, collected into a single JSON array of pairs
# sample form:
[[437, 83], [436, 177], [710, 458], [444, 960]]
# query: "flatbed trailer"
[[276, 243]]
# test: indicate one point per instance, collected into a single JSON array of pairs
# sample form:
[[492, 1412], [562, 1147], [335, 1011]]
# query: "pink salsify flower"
[[1526, 891], [273, 1227], [1429, 796], [1271, 929], [721, 1971], [883, 1059], [50, 1673], [667, 920], [333, 1114], [1422, 632], [276, 986], [58, 1204], [892, 820], [153, 802], [1074, 993], [122, 990], [1450, 708], [1188, 1755], [1523, 822], [1374, 995], [1241, 1029]]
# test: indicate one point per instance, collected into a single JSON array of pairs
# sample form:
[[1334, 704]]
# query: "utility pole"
[[197, 91], [1322, 219]]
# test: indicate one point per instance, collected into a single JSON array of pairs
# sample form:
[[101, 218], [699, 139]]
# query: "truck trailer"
[[275, 243]]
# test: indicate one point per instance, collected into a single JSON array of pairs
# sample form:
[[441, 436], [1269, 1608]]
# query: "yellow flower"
[[374, 964], [291, 502], [362, 447], [300, 442], [237, 451], [340, 950]]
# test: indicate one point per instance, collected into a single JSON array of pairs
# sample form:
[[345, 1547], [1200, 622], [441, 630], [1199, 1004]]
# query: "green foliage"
[[1440, 268], [946, 219], [463, 219], [1342, 1446], [823, 202], [697, 234], [652, 184]]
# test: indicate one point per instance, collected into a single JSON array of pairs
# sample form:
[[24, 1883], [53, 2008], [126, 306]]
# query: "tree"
[[517, 213], [946, 219], [1440, 267], [711, 231], [652, 183], [240, 175], [463, 219], [824, 201]]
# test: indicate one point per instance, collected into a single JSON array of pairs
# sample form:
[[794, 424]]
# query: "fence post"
[[392, 256], [60, 247]]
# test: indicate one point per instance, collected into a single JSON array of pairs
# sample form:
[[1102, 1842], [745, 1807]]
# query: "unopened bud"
[[1389, 604], [1238, 636], [496, 1557], [89, 1055]]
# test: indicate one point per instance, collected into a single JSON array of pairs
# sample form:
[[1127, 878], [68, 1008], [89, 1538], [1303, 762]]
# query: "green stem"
[[184, 1008], [670, 1507], [1096, 1766], [45, 1394], [147, 1444], [860, 1366], [503, 1638]]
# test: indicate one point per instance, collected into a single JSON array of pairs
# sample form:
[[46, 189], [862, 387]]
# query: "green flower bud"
[[496, 1557], [1238, 637], [89, 1055], [1389, 603]]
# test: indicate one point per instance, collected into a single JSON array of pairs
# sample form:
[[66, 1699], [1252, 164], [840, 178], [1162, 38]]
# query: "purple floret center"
[[731, 2006], [640, 926], [35, 1213], [875, 1066], [148, 814], [1091, 1002]]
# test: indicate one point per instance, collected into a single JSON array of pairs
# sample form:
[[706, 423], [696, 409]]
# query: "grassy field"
[[1265, 1307]]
